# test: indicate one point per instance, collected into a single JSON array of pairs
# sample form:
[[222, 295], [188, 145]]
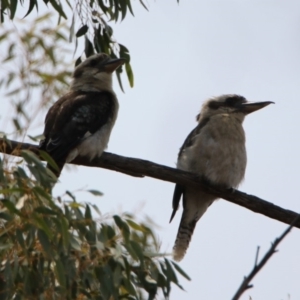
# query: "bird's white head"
[[230, 104], [95, 73]]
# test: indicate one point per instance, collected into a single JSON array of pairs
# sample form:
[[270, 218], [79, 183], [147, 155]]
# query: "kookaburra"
[[80, 122], [215, 150]]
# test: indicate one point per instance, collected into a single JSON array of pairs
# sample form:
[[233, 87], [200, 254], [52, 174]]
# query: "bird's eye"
[[93, 63], [214, 105]]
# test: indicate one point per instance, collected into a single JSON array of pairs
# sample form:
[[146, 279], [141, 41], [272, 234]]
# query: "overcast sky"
[[182, 55]]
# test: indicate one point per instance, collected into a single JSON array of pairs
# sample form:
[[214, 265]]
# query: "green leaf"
[[81, 31], [129, 74], [88, 49], [75, 205], [119, 80], [110, 232], [97, 44], [138, 250], [134, 225], [95, 192], [60, 273], [65, 232], [4, 36], [20, 238], [170, 272], [96, 209], [45, 210], [72, 27], [88, 214], [123, 226], [6, 246], [36, 138], [11, 207], [179, 270], [10, 191], [123, 5], [40, 222], [30, 158], [129, 6], [171, 275], [143, 4], [42, 194], [5, 216], [42, 17], [103, 7], [78, 61], [58, 8], [32, 4], [13, 8], [75, 243], [44, 240], [17, 124], [49, 160], [72, 196]]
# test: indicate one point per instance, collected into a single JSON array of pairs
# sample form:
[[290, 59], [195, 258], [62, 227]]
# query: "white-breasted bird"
[[81, 121], [216, 150]]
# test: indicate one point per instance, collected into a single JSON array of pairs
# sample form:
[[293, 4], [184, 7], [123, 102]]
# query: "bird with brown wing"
[[81, 121], [215, 150]]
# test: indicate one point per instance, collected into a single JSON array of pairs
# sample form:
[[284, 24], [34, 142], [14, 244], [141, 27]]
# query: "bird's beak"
[[250, 107], [113, 63]]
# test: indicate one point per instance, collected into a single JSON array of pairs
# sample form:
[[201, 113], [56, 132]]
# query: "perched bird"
[[80, 122], [215, 149]]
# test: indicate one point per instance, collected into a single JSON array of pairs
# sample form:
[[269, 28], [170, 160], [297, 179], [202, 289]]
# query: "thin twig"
[[140, 168], [256, 256], [257, 267]]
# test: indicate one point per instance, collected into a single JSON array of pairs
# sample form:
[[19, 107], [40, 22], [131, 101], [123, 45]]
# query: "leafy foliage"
[[94, 17], [55, 248], [34, 68]]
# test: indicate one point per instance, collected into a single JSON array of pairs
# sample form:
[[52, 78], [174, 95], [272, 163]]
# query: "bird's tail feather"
[[183, 238], [195, 204]]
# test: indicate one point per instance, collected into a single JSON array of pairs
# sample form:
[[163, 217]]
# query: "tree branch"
[[258, 266], [140, 168]]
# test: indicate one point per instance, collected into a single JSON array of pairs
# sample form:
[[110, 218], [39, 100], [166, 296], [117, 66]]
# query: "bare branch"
[[257, 267], [140, 168]]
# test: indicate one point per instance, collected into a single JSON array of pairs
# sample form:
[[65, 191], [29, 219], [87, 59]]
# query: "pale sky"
[[181, 55]]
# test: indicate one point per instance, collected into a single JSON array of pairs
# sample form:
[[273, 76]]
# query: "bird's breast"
[[218, 152]]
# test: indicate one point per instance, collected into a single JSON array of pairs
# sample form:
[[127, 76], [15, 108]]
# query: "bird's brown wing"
[[71, 118], [189, 141]]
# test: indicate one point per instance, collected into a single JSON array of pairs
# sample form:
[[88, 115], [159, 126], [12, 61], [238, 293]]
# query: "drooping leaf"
[[32, 4], [13, 8], [44, 240], [129, 74], [88, 49], [58, 8], [60, 273], [179, 270], [41, 223], [82, 31]]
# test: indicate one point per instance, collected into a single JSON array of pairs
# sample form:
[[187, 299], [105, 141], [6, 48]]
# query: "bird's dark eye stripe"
[[231, 101], [93, 63]]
